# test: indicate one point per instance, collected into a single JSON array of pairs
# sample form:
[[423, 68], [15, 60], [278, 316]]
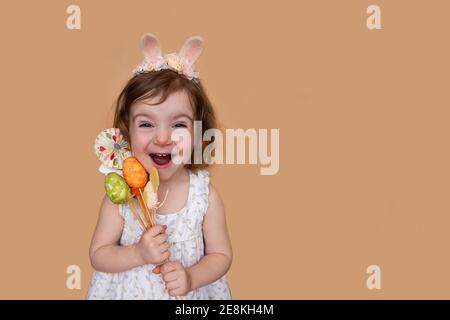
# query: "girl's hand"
[[176, 277], [153, 247]]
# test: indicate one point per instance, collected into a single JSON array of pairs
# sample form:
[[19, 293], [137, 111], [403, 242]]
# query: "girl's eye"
[[180, 125], [146, 125]]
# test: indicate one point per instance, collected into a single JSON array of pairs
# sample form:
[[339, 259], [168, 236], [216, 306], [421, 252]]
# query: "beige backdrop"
[[363, 118]]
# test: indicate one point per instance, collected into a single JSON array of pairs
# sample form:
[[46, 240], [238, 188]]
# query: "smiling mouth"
[[161, 159]]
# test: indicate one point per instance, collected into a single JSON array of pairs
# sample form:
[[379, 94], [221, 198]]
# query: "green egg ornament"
[[116, 188]]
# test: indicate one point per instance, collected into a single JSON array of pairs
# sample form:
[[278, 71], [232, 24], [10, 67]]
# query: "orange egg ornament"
[[134, 173]]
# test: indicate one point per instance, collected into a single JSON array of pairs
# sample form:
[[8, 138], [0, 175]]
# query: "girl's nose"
[[163, 138]]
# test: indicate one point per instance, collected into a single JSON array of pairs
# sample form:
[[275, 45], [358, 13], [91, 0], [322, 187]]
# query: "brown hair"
[[164, 82]]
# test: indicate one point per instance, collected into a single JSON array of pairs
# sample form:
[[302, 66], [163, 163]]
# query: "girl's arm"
[[218, 252], [105, 252]]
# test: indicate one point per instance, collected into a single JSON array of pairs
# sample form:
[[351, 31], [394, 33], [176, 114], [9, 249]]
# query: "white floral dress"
[[185, 235]]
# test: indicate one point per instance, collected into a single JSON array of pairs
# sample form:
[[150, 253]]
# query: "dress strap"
[[200, 187]]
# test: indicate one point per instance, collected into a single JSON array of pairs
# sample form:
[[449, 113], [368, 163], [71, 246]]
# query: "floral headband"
[[181, 62]]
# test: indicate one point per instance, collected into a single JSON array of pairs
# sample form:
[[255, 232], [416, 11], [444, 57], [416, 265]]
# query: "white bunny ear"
[[150, 47], [192, 48]]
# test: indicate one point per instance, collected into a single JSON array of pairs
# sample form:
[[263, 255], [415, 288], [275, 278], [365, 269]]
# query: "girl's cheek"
[[140, 141]]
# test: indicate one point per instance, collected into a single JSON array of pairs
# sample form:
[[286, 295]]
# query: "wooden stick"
[[152, 213], [137, 215], [144, 212], [145, 208]]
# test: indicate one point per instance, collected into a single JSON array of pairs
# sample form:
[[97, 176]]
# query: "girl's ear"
[[192, 48], [150, 47]]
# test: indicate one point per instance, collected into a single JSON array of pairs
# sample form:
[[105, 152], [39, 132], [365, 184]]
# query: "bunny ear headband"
[[181, 62]]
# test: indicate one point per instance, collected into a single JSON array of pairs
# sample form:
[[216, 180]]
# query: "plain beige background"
[[363, 118]]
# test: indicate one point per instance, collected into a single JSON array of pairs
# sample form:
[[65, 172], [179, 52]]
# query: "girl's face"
[[152, 128]]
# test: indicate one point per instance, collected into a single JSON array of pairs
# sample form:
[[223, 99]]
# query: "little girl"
[[188, 252]]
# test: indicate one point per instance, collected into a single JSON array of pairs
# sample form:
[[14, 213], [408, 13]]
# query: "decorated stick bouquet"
[[134, 183]]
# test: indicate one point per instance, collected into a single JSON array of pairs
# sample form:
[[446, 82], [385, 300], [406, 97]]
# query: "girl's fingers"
[[166, 255], [171, 276], [161, 238], [156, 230], [164, 247], [175, 292], [172, 285], [167, 267], [157, 269]]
